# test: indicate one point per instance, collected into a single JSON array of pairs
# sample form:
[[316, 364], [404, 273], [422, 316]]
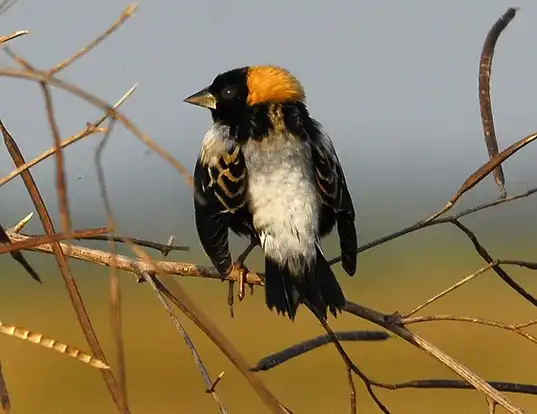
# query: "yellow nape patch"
[[272, 84]]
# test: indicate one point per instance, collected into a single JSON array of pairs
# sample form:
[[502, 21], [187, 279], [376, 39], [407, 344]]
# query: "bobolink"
[[267, 171]]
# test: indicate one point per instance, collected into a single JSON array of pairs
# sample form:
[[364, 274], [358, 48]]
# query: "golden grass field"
[[162, 377]]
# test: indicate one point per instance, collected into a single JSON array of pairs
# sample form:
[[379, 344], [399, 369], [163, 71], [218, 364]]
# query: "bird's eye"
[[229, 93]]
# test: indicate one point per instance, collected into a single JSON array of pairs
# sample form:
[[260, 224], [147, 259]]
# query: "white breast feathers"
[[283, 199]]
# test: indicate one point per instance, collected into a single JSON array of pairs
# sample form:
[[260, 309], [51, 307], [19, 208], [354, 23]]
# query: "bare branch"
[[14, 35], [61, 260], [394, 325], [125, 15], [5, 401], [485, 70], [273, 360], [88, 130], [211, 385], [451, 288]]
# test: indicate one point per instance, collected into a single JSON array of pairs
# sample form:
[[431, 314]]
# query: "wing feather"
[[335, 197], [222, 187]]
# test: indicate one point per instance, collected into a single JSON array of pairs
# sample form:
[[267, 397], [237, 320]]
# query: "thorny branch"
[[168, 291]]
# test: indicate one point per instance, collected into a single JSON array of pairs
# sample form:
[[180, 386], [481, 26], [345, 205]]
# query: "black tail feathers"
[[317, 287]]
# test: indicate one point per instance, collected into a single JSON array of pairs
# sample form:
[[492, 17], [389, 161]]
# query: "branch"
[[72, 289], [485, 70], [158, 288], [273, 360], [393, 324]]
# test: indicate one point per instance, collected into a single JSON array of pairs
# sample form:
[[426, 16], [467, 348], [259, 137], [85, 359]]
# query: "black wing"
[[221, 193], [335, 196]]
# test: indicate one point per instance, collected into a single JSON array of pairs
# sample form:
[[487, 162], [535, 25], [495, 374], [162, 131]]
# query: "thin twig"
[[157, 286], [499, 271], [42, 76], [114, 287], [517, 328], [450, 289], [28, 243], [14, 35], [125, 15], [482, 172], [165, 249], [176, 294], [88, 130]]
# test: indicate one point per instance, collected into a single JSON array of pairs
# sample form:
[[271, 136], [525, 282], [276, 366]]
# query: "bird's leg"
[[231, 298], [243, 270], [238, 265]]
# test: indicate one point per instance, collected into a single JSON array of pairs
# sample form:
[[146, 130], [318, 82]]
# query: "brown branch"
[[485, 70], [176, 294], [88, 130], [136, 265], [517, 328], [164, 249], [5, 401], [61, 260], [42, 76], [393, 324], [14, 35], [502, 386], [499, 271], [61, 187], [211, 385], [482, 172], [114, 287], [32, 242], [126, 263], [422, 224], [450, 289], [125, 15]]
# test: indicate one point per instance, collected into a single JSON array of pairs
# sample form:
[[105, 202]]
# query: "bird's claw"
[[243, 273]]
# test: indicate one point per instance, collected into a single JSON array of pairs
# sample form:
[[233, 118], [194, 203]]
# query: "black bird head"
[[234, 93]]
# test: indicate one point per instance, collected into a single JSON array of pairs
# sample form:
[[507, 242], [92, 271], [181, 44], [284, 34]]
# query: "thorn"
[[210, 390], [20, 225], [171, 240]]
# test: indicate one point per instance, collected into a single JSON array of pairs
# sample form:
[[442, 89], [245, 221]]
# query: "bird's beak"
[[203, 98]]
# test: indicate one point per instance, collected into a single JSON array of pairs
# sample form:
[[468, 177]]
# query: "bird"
[[269, 172]]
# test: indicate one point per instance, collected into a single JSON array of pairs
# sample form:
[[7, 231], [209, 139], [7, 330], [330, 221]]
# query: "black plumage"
[[243, 120]]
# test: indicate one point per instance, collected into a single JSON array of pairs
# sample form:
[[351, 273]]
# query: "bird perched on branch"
[[268, 171]]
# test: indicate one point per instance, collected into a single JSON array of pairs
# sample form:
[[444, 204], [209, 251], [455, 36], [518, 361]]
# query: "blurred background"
[[394, 83]]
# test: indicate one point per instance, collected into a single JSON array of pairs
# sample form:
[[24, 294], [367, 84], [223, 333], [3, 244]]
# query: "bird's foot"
[[242, 271]]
